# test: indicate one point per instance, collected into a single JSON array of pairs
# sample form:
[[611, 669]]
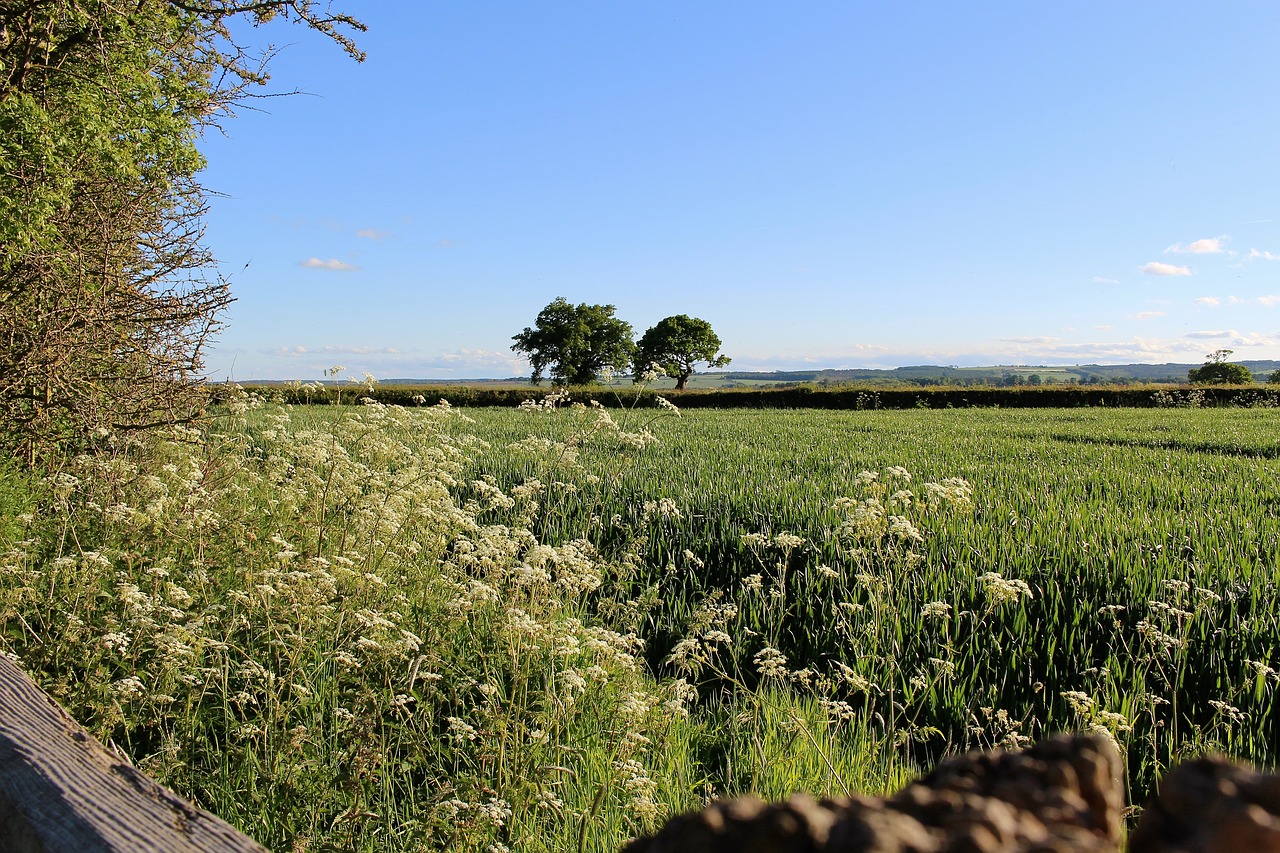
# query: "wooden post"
[[60, 790]]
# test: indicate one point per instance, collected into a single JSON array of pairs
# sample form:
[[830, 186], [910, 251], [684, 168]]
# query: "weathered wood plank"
[[60, 790]]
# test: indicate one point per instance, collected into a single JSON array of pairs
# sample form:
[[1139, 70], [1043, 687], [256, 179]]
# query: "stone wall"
[[1064, 794]]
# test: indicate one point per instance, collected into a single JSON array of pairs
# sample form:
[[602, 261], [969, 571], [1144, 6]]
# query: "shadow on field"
[[1175, 444]]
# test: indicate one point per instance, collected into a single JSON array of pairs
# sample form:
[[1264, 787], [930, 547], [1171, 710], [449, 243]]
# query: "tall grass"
[[335, 631], [1117, 569], [369, 628]]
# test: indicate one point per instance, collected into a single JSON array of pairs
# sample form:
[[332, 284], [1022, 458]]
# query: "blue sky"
[[829, 184]]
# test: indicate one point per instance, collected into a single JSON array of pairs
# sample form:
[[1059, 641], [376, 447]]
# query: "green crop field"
[[379, 628], [1147, 540]]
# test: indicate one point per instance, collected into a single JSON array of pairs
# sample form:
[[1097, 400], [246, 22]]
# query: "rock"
[[1063, 794], [747, 824], [1211, 804]]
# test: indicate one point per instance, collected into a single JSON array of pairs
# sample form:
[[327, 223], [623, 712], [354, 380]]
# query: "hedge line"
[[799, 397]]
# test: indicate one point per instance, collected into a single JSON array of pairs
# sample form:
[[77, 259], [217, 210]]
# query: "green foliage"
[[19, 492], [1218, 371], [574, 343], [325, 625], [1078, 592], [1274, 379], [98, 178], [107, 295], [370, 628], [800, 397], [676, 345]]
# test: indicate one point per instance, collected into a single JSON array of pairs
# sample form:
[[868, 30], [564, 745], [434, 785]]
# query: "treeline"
[[1057, 396], [933, 374]]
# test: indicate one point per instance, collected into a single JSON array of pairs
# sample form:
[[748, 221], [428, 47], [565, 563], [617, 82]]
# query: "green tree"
[[574, 343], [1218, 371], [676, 345], [108, 295], [1274, 378]]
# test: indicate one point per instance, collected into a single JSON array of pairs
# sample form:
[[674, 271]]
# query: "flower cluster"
[[327, 598]]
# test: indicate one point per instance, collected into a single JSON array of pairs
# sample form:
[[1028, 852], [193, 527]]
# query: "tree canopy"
[[676, 345], [574, 343], [1218, 371], [108, 295]]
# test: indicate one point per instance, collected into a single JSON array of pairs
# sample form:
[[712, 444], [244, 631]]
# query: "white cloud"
[[1101, 280], [479, 356], [464, 363], [847, 355], [1158, 268], [1207, 246], [1234, 300], [1215, 333], [1030, 350], [1208, 300], [389, 362], [1139, 349], [330, 264], [1004, 351], [1266, 256], [1270, 300], [1032, 339], [359, 350], [299, 351], [373, 234], [1237, 339], [1147, 315]]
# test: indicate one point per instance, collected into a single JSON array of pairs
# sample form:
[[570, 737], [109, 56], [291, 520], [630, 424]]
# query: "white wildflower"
[[129, 687], [460, 730], [771, 663], [936, 610], [1230, 713], [788, 541], [1081, 703], [1001, 590]]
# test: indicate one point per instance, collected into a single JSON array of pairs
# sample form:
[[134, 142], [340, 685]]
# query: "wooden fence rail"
[[61, 790]]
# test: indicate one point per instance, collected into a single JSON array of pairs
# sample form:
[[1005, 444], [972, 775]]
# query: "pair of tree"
[[575, 343], [1218, 371], [108, 296]]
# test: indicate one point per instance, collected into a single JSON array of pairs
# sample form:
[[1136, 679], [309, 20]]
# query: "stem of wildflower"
[[591, 813], [835, 774]]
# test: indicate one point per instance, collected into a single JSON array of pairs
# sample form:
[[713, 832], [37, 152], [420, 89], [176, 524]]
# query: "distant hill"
[[932, 374], [923, 374]]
